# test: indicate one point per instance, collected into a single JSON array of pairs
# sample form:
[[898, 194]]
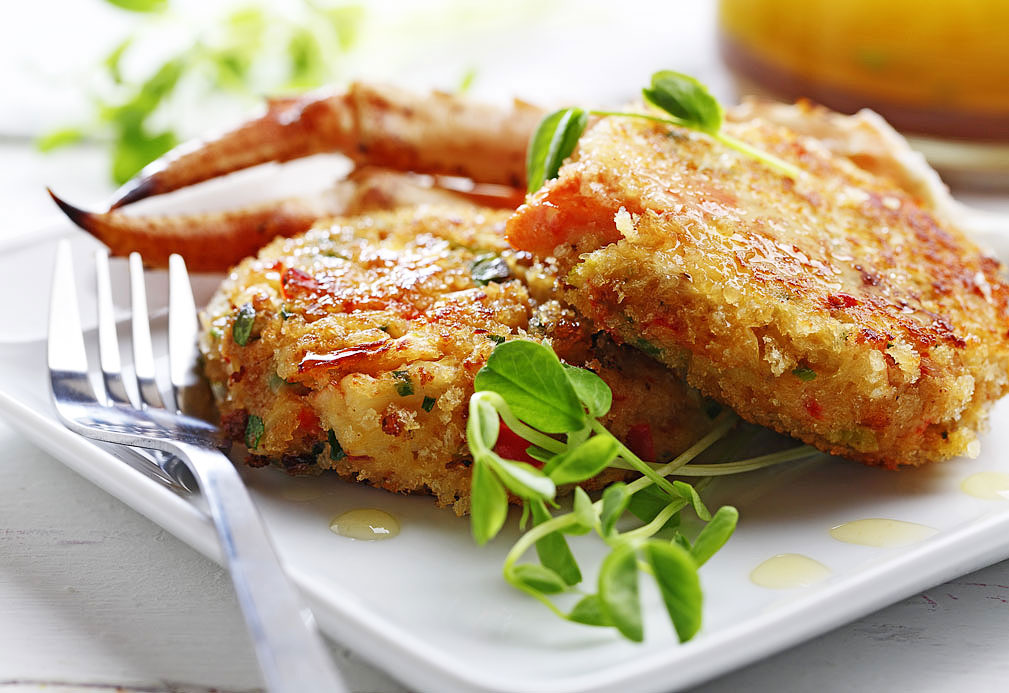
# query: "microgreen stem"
[[709, 470], [723, 423], [529, 539], [657, 523], [520, 429], [652, 475], [779, 165], [771, 160]]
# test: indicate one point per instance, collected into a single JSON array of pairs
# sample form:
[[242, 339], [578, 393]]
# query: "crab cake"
[[837, 308], [354, 346]]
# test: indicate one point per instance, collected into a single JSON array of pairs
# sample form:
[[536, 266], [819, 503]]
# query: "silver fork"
[[288, 647]]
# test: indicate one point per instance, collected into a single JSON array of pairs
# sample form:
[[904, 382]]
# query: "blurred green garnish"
[[250, 51]]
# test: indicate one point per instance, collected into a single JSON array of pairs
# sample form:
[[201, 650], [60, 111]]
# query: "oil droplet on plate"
[[987, 485], [881, 532], [787, 570], [366, 524]]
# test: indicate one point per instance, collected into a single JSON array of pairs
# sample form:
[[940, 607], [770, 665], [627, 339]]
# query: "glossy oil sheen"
[[881, 532], [365, 524], [987, 485], [788, 570]]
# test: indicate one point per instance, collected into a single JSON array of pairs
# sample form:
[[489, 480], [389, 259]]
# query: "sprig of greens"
[[689, 105], [252, 50], [556, 407]]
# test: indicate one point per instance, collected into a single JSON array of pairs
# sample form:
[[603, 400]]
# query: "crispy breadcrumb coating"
[[367, 334], [837, 308]]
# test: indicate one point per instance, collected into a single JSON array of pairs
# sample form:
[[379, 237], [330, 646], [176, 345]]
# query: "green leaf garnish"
[[532, 381], [488, 268], [618, 592], [589, 611], [428, 403], [521, 478], [583, 462], [676, 574], [489, 504], [615, 500], [553, 550], [254, 430], [715, 534], [685, 98], [539, 578], [689, 493], [525, 386], [594, 393], [553, 142], [241, 330]]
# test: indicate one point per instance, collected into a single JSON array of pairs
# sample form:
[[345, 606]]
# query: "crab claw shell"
[[214, 241], [439, 134], [211, 241]]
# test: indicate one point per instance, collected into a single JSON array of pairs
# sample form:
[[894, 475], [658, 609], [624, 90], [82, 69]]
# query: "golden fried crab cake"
[[837, 308], [354, 346]]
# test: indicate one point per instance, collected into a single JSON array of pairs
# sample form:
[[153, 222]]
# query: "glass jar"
[[938, 70]]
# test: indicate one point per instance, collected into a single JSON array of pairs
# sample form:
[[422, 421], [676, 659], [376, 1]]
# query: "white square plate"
[[431, 608]]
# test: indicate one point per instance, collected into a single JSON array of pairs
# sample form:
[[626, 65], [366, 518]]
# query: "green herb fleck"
[[336, 452], [428, 403], [804, 374], [647, 347], [285, 313], [253, 431], [404, 385], [497, 338], [242, 329], [488, 268]]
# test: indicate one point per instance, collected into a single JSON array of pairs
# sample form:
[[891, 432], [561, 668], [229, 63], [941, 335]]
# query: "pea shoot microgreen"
[[556, 408], [687, 102]]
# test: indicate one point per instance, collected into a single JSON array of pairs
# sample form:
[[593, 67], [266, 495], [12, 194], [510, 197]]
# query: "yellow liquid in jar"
[[929, 66]]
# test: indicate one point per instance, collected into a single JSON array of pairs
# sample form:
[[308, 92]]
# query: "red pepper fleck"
[[841, 301], [294, 282], [641, 442], [307, 420], [512, 446], [813, 408]]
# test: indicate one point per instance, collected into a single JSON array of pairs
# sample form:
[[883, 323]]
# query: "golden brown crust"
[[836, 308], [385, 330]]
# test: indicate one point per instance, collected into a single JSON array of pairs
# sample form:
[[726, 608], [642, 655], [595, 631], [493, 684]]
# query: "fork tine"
[[143, 352], [182, 329], [66, 353], [108, 336]]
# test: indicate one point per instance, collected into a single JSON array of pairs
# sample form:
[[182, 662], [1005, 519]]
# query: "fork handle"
[[288, 646]]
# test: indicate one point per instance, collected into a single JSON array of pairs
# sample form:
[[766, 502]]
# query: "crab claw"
[[210, 241], [214, 241], [438, 134]]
